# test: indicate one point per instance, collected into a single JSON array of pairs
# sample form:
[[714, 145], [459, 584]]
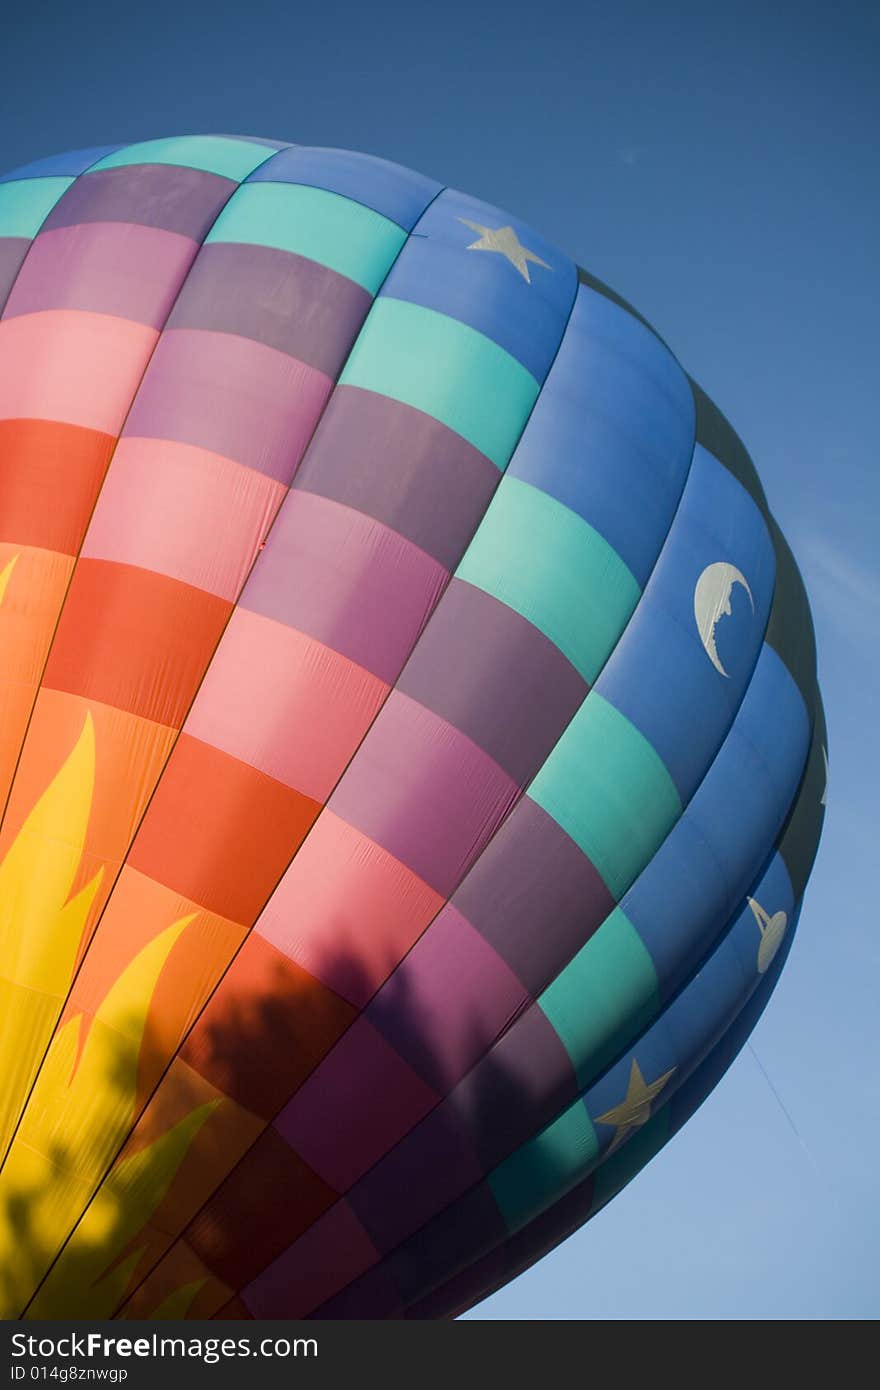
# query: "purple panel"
[[373, 1296], [230, 395], [327, 1257], [424, 792], [354, 1107], [115, 268], [402, 467], [432, 1166], [517, 1253], [493, 675], [156, 195], [463, 1289], [13, 250], [447, 1001], [534, 895], [473, 1226], [286, 301], [515, 1089], [347, 581]]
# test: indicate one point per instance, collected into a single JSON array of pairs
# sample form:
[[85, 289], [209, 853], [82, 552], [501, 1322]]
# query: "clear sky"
[[717, 165]]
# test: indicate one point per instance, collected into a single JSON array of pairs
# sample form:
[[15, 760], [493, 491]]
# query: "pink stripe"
[[232, 396], [346, 910], [332, 1252], [284, 703], [423, 790], [117, 268], [77, 368], [184, 512], [347, 580], [354, 1107]]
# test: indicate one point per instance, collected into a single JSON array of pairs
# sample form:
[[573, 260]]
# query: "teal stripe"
[[626, 1162], [26, 203], [325, 227], [446, 369], [608, 789], [232, 159], [543, 560], [545, 1167], [605, 996]]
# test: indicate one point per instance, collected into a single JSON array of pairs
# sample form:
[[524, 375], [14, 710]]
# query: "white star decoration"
[[505, 241]]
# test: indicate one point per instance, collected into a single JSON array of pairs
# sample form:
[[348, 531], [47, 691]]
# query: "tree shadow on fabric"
[[243, 1196]]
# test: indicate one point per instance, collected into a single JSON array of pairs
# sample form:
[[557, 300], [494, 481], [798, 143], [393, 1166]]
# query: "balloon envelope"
[[411, 756]]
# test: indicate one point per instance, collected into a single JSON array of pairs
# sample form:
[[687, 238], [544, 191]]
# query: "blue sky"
[[717, 165]]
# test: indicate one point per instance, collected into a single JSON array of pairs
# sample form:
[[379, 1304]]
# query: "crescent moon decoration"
[[712, 602], [772, 931]]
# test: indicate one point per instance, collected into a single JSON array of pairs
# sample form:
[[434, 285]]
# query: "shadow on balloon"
[[88, 1214]]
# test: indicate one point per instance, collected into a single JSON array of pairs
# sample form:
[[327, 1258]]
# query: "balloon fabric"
[[411, 754]]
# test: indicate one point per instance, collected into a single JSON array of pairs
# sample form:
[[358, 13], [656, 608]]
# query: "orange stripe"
[[138, 911], [129, 755], [220, 831], [135, 639], [50, 475], [34, 594], [180, 1271]]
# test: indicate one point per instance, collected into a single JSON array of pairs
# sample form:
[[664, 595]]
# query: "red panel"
[[265, 1029], [220, 831], [362, 1099], [50, 475], [264, 1206], [332, 1253], [135, 639]]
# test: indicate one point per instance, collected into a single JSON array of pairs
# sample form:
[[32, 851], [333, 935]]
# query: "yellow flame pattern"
[[92, 1275], [79, 1115], [6, 576], [178, 1303], [41, 927]]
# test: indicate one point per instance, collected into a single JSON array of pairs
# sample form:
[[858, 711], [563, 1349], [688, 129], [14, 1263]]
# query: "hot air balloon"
[[411, 756]]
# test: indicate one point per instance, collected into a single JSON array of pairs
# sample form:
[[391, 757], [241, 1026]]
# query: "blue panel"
[[487, 289], [73, 162], [388, 188], [696, 1019], [700, 873], [612, 433], [706, 1077], [661, 676]]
